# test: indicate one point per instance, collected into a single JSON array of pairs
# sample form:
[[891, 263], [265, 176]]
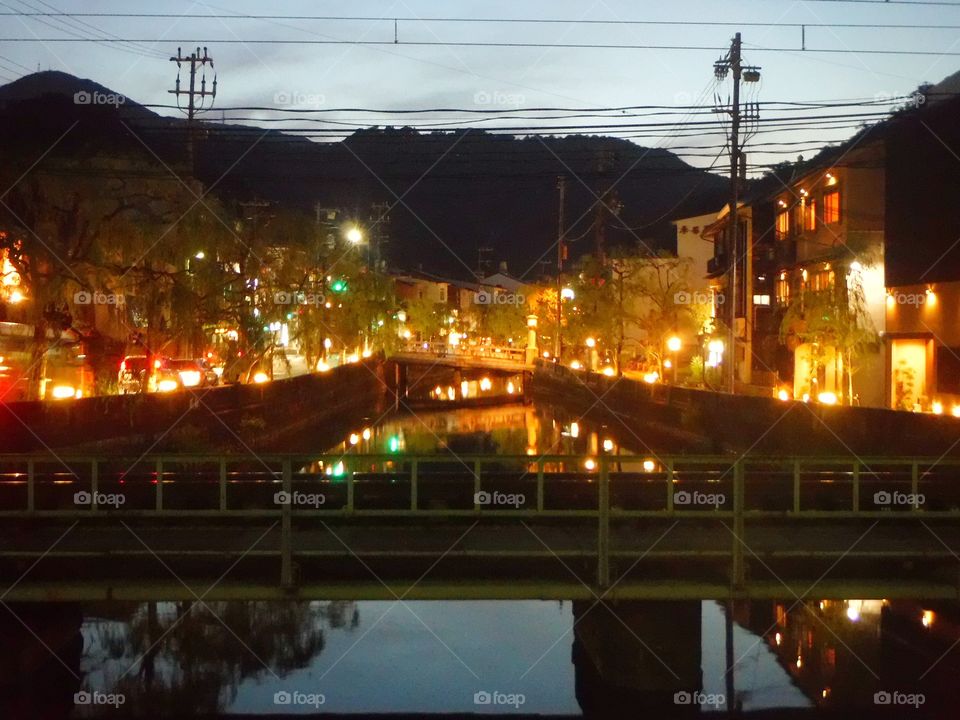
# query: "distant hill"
[[460, 190]]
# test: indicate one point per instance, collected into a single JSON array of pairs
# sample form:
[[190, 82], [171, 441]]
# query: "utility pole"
[[194, 58], [732, 64], [378, 231], [561, 256]]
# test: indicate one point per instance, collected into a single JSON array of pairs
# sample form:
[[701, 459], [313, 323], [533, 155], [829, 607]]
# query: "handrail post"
[[476, 484], [286, 528], [796, 485], [159, 492], [670, 486], [915, 484], [413, 484], [349, 473], [856, 486], [223, 483], [739, 569], [540, 485], [603, 530], [94, 484], [31, 486]]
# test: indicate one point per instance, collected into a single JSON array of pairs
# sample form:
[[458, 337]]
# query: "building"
[[922, 259], [826, 236]]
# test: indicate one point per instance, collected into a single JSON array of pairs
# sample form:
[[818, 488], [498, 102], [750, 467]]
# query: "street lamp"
[[674, 344], [565, 293], [354, 235]]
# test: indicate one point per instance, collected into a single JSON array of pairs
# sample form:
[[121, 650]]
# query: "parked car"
[[134, 375], [164, 375], [193, 373]]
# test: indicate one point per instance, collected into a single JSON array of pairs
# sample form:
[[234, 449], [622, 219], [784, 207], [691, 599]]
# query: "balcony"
[[717, 265]]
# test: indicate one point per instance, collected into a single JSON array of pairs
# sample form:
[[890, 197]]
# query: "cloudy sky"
[[316, 75]]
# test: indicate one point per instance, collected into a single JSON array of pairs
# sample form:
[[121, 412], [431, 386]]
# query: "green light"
[[394, 444], [339, 286]]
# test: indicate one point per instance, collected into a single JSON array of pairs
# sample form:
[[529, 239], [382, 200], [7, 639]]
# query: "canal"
[[842, 657]]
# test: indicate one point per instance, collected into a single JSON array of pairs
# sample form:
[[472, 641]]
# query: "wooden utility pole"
[[561, 256], [732, 64], [193, 95]]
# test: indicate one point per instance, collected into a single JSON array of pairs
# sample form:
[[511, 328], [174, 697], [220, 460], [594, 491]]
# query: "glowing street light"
[[674, 344], [567, 293], [354, 235]]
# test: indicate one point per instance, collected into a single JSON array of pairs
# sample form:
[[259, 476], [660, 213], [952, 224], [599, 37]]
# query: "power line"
[[506, 21], [485, 44]]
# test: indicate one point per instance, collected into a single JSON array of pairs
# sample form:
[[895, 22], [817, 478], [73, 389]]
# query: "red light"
[[123, 365], [156, 364]]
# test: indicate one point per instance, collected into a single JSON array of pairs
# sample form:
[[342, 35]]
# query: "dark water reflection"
[[181, 659]]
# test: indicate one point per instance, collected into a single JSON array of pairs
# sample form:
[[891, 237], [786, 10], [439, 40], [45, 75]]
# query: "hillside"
[[460, 190]]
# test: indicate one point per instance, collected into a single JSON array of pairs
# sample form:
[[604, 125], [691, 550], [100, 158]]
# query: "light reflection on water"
[[529, 430]]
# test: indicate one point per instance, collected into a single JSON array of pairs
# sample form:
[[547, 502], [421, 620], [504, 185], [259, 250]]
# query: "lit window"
[[783, 225], [810, 215], [761, 299], [783, 289], [831, 207]]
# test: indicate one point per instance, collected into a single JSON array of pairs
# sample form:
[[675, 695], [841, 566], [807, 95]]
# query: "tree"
[[78, 225], [833, 321]]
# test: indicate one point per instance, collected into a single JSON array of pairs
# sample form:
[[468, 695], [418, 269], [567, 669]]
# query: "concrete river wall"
[[741, 423]]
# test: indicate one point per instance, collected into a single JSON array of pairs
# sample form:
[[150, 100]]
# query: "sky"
[[398, 76]]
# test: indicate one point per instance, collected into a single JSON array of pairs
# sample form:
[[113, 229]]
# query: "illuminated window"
[[820, 280], [783, 225], [810, 215], [783, 290], [761, 299], [831, 207]]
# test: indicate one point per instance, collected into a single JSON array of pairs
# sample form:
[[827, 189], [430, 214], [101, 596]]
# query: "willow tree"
[[835, 319]]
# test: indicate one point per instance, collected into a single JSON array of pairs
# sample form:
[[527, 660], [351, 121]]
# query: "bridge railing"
[[606, 489], [465, 350]]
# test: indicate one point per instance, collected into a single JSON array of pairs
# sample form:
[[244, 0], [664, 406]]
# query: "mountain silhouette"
[[451, 192]]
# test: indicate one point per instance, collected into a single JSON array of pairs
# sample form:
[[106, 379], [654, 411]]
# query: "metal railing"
[[604, 489], [465, 350]]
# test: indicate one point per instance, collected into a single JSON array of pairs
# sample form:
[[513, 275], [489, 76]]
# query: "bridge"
[[481, 357], [493, 527]]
